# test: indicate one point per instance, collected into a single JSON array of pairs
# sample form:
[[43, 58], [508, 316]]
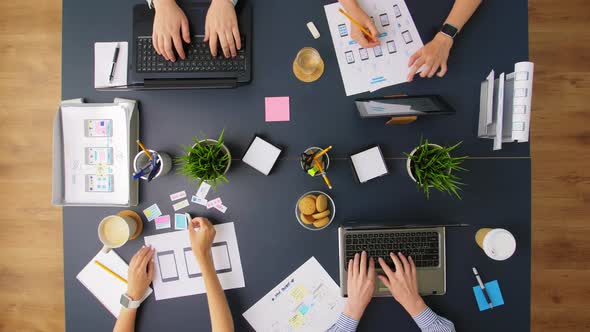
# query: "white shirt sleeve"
[[151, 3]]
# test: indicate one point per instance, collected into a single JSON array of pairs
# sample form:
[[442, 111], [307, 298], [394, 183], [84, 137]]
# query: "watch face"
[[449, 30], [124, 301]]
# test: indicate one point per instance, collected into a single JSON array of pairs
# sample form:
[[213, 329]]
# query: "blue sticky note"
[[494, 292], [180, 221], [303, 308]]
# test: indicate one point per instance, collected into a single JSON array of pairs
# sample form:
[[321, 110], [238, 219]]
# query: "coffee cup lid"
[[499, 244]]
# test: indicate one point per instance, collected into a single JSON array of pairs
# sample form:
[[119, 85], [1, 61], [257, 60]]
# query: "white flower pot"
[[409, 161], [223, 147]]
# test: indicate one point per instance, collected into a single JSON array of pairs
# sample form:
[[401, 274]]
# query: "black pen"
[[483, 288], [115, 58]]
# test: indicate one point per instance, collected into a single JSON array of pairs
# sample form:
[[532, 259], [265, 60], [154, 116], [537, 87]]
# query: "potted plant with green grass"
[[432, 166], [207, 160]]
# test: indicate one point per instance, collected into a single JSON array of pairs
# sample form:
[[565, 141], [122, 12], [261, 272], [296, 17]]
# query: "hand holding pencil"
[[362, 27]]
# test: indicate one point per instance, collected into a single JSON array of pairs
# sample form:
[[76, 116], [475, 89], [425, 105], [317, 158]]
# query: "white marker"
[[483, 288]]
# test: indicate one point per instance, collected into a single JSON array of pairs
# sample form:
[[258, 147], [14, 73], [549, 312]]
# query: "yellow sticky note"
[[297, 320], [299, 293]]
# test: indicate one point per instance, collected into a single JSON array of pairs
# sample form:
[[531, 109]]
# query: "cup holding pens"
[[306, 161], [142, 163]]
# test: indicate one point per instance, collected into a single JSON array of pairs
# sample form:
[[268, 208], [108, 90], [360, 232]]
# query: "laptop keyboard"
[[198, 59], [423, 246]]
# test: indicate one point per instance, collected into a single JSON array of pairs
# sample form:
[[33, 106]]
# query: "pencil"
[[144, 149], [323, 152], [110, 271], [319, 165], [365, 31]]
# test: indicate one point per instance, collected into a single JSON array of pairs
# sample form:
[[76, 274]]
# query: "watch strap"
[[128, 303]]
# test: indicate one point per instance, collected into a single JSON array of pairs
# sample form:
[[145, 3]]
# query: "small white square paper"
[[261, 155], [369, 164], [103, 60]]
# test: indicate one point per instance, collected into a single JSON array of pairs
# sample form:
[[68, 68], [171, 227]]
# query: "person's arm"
[[140, 274], [435, 54], [125, 321], [355, 11], [461, 12], [360, 285], [429, 321], [403, 285], [201, 240]]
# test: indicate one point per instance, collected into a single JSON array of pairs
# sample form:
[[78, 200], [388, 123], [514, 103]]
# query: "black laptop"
[[200, 69]]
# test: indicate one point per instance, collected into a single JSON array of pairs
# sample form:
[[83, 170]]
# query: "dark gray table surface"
[[272, 244]]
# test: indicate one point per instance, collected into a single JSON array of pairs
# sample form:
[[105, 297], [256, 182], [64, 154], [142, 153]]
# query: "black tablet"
[[403, 106]]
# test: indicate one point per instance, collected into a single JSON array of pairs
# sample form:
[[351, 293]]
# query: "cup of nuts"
[[315, 210]]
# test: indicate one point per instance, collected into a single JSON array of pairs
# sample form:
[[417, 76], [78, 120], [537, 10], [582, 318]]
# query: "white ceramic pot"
[[223, 147], [141, 159], [409, 161]]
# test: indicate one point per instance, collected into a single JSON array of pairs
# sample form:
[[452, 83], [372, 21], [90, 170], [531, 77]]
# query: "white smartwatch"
[[128, 302]]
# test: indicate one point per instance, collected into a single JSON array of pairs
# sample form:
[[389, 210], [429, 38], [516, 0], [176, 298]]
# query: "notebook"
[[369, 164], [103, 61], [105, 287]]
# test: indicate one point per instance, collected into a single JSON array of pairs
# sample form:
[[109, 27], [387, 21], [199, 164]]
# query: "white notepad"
[[103, 60], [369, 164], [261, 155], [105, 287]]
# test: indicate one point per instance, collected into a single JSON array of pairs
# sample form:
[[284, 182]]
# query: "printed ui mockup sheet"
[[387, 63], [307, 300], [177, 272], [96, 153]]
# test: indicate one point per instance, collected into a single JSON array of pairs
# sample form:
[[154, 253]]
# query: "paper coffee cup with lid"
[[498, 243]]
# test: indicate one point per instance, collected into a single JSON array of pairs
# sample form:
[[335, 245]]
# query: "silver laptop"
[[426, 245]]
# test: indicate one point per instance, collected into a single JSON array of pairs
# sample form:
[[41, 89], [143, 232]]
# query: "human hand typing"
[[403, 283], [360, 285], [221, 26], [170, 23]]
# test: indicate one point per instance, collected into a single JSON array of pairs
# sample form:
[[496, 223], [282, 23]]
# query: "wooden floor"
[[31, 267]]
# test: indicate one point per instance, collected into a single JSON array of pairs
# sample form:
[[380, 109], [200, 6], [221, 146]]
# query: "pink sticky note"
[[277, 109]]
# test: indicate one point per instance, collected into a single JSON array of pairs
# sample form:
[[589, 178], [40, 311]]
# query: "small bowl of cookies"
[[315, 210]]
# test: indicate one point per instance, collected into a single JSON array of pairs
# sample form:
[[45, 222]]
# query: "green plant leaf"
[[434, 166], [205, 161]]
